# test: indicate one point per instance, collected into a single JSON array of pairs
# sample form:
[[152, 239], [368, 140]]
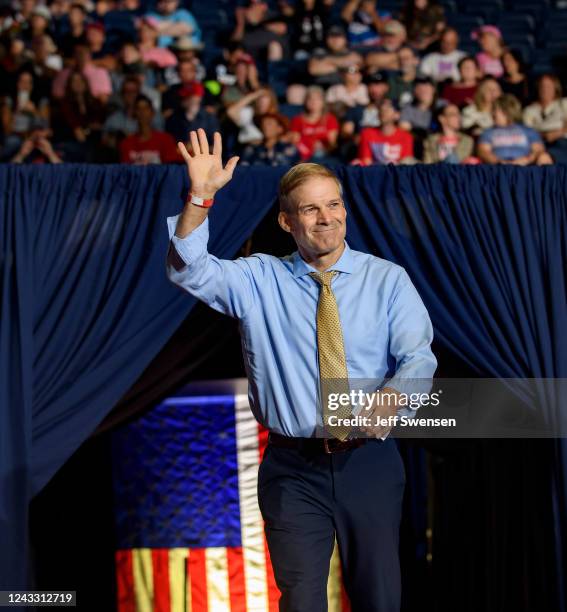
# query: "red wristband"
[[201, 202]]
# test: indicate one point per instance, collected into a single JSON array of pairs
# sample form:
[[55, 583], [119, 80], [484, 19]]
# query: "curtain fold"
[[86, 305], [486, 248]]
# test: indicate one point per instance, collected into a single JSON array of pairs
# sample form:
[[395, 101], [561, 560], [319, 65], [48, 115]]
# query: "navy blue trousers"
[[306, 500]]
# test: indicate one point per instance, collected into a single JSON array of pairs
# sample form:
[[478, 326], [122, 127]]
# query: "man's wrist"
[[204, 192]]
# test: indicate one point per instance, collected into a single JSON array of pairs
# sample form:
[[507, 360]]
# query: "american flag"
[[190, 533]]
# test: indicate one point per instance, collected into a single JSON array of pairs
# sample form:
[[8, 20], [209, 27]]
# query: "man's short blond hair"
[[297, 176]]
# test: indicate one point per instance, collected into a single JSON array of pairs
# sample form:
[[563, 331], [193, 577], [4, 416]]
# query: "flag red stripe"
[[262, 441], [126, 601], [273, 591], [345, 603], [197, 568], [236, 583], [160, 565]]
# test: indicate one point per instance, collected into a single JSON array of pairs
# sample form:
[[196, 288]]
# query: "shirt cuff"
[[194, 244], [410, 386]]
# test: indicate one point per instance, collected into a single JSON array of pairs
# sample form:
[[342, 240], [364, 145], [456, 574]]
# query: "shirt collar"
[[345, 263]]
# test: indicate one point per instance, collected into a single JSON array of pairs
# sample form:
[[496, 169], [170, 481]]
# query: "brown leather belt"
[[315, 445]]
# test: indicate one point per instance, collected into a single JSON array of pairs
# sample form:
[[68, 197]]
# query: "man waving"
[[325, 314]]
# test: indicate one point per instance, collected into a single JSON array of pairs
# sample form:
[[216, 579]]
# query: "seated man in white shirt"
[[443, 65]]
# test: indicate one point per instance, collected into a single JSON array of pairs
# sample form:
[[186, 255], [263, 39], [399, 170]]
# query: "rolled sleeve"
[[230, 287], [193, 245], [411, 334]]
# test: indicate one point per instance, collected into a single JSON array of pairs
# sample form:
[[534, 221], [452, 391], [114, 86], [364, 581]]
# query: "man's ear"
[[283, 220]]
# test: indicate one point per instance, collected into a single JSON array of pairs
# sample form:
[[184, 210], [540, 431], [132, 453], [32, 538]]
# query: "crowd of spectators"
[[106, 81]]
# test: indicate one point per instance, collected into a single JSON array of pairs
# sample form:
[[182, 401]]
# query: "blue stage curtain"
[[85, 306], [486, 247], [487, 250]]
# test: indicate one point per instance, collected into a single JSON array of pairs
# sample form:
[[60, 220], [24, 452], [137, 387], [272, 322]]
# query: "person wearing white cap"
[[38, 23], [386, 56]]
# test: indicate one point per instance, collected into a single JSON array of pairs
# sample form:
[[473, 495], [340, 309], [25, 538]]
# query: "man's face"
[[392, 41], [271, 128], [407, 60], [95, 37], [39, 23], [387, 112], [336, 43], [166, 7], [546, 89], [352, 76], [28, 6], [451, 117], [130, 91], [187, 72], [318, 218], [76, 16], [424, 92], [143, 112], [191, 104], [449, 41], [378, 91]]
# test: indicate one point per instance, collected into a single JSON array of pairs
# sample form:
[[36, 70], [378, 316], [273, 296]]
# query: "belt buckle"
[[337, 446]]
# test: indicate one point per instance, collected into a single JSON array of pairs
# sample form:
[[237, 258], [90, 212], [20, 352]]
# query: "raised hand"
[[205, 169]]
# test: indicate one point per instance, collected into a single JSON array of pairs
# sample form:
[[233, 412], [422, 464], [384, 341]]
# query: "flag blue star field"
[[189, 531]]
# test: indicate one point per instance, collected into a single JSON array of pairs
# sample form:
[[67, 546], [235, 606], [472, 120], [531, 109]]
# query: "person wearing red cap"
[[191, 115], [186, 74], [96, 40]]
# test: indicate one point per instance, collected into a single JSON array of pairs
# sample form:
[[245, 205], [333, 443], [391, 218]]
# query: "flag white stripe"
[[142, 569], [218, 590], [252, 525], [180, 595]]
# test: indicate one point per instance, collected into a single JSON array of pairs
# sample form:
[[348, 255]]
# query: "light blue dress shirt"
[[386, 328]]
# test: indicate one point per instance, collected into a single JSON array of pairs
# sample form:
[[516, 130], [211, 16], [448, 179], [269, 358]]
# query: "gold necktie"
[[333, 371]]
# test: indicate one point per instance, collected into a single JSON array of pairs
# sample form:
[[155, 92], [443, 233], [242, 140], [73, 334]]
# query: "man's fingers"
[[183, 150], [194, 142], [203, 141], [217, 144], [231, 165]]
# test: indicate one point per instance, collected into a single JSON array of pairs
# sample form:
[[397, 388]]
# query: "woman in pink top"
[[160, 57], [490, 58]]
